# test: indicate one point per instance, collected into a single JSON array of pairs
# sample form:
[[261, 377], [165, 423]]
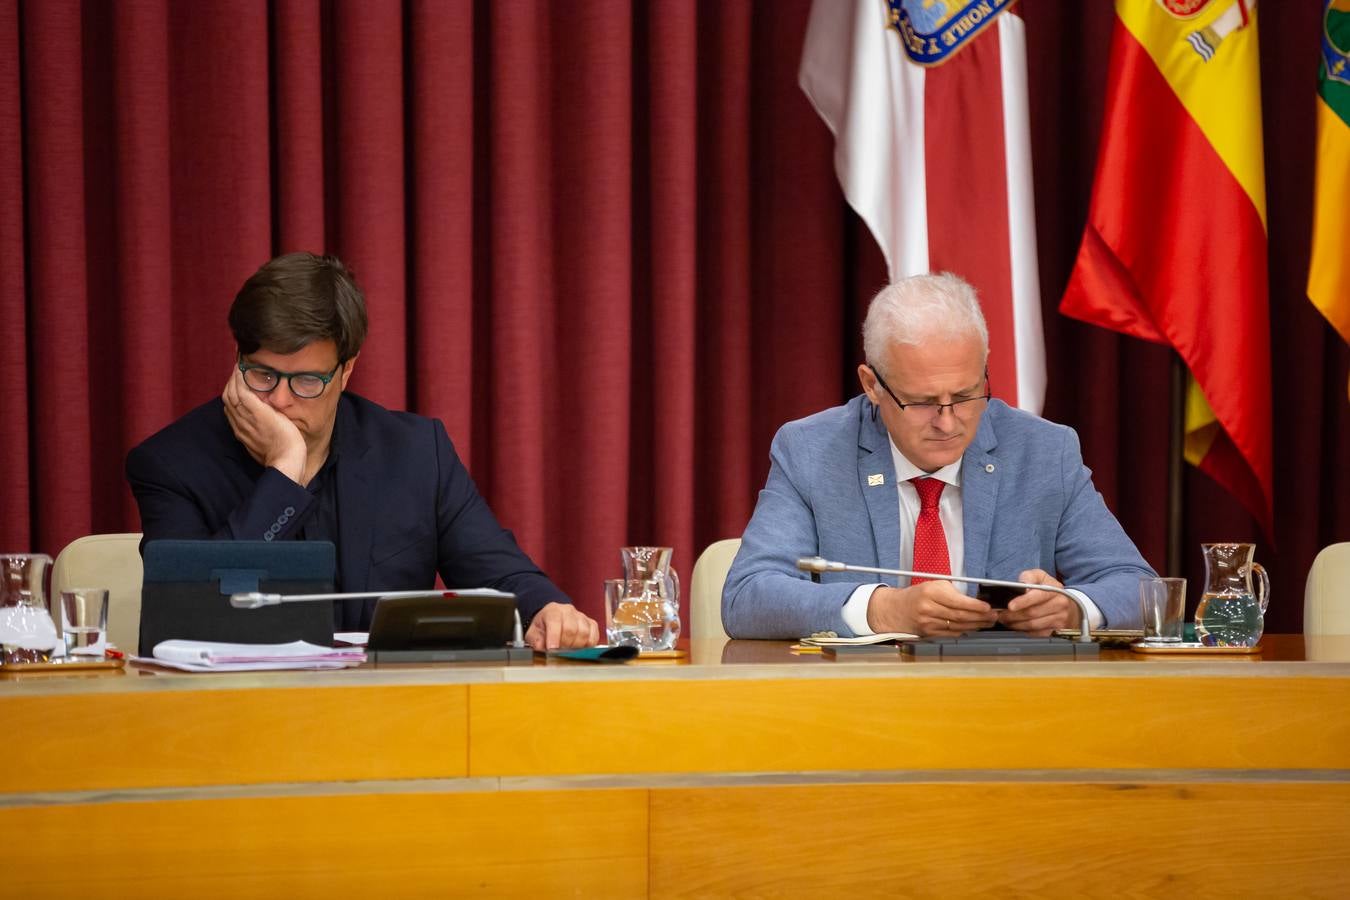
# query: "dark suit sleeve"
[[474, 549], [270, 510]]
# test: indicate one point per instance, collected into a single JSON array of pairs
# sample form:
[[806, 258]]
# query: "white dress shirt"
[[949, 512]]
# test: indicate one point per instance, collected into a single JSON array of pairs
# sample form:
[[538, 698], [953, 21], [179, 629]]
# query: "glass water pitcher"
[[649, 614], [27, 630], [1231, 613]]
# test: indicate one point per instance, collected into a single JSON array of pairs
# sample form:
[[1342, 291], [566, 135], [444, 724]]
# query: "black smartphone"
[[997, 596]]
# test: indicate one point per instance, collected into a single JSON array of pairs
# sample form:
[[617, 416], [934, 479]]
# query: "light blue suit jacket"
[[1027, 502]]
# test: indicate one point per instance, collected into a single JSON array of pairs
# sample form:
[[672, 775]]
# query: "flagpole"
[[1176, 465]]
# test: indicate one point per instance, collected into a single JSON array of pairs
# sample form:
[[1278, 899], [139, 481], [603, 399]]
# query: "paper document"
[[211, 656]]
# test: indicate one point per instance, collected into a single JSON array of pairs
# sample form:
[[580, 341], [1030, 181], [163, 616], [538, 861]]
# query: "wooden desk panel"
[[1002, 840], [922, 722], [685, 779], [542, 843], [142, 738]]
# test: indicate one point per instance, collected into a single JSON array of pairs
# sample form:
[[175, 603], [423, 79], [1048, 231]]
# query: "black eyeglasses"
[[933, 410], [305, 385]]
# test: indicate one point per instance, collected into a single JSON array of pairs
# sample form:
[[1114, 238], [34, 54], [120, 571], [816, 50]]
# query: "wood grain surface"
[[544, 844], [1003, 840], [914, 723], [71, 742]]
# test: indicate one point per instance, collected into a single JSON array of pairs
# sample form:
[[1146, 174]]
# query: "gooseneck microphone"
[[256, 599], [817, 564]]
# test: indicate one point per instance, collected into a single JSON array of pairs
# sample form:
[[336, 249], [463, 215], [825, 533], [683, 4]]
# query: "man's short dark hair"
[[295, 300]]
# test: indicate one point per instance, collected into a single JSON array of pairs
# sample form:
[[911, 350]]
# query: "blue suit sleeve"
[[474, 550], [765, 595], [1093, 553]]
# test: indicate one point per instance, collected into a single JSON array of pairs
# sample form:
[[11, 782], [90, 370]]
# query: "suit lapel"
[[356, 524], [876, 480], [236, 452], [980, 474]]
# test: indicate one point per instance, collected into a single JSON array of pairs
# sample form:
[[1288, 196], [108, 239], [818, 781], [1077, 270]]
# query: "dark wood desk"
[[744, 769]]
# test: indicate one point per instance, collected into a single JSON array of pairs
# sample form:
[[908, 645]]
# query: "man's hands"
[[1041, 612], [559, 626], [938, 609], [929, 609], [270, 437]]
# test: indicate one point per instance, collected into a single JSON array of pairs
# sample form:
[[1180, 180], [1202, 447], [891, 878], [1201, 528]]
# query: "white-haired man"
[[925, 471]]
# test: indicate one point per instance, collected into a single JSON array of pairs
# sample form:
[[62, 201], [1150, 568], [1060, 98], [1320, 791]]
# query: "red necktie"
[[930, 541]]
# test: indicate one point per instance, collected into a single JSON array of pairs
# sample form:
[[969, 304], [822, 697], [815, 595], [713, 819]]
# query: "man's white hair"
[[922, 308]]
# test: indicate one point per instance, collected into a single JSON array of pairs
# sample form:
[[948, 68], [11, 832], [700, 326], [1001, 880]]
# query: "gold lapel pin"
[[874, 480]]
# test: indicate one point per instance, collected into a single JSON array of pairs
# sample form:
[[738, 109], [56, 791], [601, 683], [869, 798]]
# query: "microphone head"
[[254, 600], [813, 564]]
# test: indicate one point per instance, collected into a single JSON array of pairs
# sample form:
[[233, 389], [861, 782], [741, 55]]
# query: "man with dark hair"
[[286, 453]]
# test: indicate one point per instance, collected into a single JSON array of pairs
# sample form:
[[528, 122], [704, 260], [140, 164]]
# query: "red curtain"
[[601, 240]]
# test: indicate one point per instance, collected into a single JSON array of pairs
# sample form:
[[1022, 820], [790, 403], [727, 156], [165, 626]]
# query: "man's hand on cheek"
[[270, 437]]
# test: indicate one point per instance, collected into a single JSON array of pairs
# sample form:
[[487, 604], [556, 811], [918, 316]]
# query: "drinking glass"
[[84, 621], [1163, 601]]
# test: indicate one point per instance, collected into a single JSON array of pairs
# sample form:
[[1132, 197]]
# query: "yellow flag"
[[1329, 271]]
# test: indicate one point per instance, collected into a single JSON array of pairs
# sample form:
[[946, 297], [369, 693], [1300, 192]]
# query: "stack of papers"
[[210, 656]]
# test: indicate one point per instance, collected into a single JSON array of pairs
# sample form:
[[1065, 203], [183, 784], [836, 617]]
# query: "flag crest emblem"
[[932, 31], [1336, 41], [1184, 9]]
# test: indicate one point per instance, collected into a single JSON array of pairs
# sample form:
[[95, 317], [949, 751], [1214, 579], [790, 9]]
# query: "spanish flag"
[[1329, 272], [1174, 250]]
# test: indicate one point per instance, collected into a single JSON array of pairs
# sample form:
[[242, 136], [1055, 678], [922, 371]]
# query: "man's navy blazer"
[[407, 507]]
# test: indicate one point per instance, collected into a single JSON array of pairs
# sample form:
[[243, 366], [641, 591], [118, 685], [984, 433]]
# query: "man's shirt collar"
[[906, 470]]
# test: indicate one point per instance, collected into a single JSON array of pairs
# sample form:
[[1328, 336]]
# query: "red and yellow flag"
[[1329, 271], [1175, 246]]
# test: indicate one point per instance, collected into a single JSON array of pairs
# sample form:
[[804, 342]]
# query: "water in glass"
[[1231, 613]]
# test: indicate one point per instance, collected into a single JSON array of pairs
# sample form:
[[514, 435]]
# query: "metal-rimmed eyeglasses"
[[959, 404], [305, 385]]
